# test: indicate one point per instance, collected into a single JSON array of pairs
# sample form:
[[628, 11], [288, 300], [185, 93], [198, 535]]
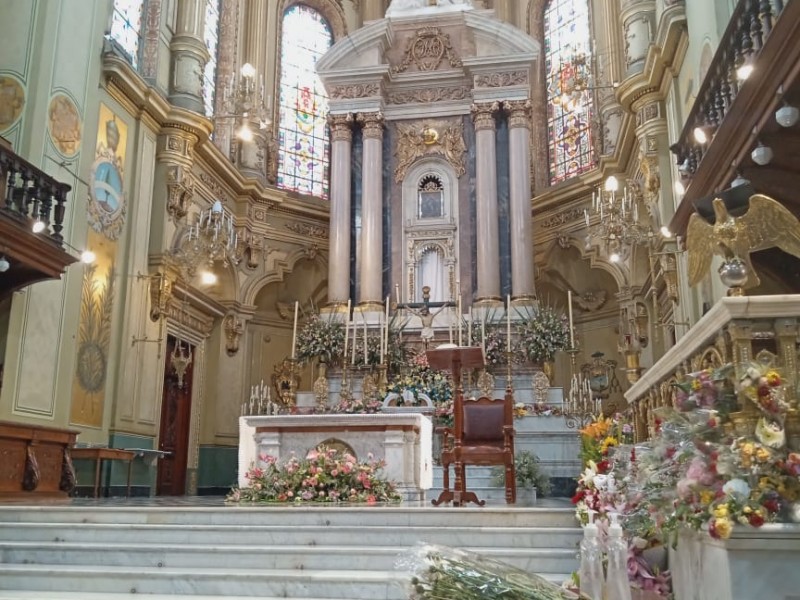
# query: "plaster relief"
[[426, 51], [64, 125], [415, 140]]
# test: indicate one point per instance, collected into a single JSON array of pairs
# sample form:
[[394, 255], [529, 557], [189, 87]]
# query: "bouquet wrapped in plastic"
[[442, 573]]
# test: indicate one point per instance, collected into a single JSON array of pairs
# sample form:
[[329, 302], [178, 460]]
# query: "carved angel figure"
[[766, 224]]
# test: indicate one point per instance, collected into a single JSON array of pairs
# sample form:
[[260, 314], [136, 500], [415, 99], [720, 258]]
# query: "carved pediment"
[[426, 51]]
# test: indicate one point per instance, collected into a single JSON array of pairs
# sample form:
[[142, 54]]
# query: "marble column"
[[372, 10], [226, 74], [339, 243], [189, 56], [371, 211], [487, 242], [519, 123], [638, 21]]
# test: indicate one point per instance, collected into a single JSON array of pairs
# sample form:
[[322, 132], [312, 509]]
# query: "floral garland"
[[541, 335], [324, 475], [537, 409]]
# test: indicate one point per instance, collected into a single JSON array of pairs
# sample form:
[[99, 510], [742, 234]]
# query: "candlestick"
[[460, 314], [508, 323], [483, 333], [469, 328], [571, 328], [294, 329], [397, 292], [365, 337]]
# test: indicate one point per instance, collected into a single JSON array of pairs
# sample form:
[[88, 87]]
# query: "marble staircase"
[[322, 552]]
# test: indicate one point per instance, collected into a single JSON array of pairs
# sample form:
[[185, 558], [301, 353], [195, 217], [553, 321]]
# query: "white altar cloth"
[[403, 440]]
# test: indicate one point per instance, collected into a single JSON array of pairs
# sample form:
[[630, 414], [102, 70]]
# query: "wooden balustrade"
[[749, 28], [27, 194], [734, 331]]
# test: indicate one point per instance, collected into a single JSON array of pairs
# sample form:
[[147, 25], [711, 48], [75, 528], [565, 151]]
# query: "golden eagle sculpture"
[[766, 223]]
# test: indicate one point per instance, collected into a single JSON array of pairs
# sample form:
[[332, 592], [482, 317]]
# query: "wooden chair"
[[482, 434]]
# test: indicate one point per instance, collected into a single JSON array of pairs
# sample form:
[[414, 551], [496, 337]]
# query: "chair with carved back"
[[482, 434]]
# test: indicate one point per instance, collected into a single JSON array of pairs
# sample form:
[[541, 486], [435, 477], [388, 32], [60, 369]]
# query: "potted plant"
[[528, 473]]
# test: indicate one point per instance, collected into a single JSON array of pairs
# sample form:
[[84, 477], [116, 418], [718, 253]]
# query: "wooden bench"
[[98, 455]]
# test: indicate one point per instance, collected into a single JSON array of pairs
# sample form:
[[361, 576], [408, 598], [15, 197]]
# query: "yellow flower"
[[607, 443], [721, 511], [706, 497], [762, 455], [772, 378], [723, 527]]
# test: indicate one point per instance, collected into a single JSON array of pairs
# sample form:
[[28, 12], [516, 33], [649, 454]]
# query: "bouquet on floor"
[[441, 573]]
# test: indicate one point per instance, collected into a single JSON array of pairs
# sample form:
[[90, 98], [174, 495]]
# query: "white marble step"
[[399, 536], [289, 583], [546, 513], [542, 560]]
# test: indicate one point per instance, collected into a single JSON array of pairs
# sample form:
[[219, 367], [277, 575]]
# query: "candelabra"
[[211, 240], [180, 359], [618, 223], [244, 100], [580, 406]]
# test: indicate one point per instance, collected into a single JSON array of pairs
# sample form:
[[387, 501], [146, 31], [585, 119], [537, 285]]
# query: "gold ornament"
[[766, 224]]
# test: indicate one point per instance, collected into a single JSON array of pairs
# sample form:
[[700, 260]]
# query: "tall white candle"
[[460, 315], [469, 328], [397, 292], [508, 323], [571, 328], [483, 333], [346, 330], [294, 329], [365, 338], [385, 336], [355, 338]]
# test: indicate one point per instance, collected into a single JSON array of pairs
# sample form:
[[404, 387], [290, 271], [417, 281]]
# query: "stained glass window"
[[126, 28], [568, 62], [211, 37], [303, 132]]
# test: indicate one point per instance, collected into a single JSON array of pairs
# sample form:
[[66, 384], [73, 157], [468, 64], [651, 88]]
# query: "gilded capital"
[[519, 113], [483, 115], [372, 124], [341, 127]]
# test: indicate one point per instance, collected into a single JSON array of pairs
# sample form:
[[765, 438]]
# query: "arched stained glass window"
[[303, 131], [126, 28], [568, 62], [211, 37]]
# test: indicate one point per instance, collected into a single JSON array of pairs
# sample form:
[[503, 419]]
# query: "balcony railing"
[[29, 195], [750, 26]]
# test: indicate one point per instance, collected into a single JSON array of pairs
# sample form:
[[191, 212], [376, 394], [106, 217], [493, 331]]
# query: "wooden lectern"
[[454, 360]]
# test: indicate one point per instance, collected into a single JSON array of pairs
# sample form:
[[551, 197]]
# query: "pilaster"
[[189, 57]]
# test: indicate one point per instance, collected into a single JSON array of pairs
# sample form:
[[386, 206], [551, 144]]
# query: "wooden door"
[[176, 412]]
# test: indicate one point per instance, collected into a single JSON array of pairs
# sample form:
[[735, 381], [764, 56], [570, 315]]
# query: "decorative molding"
[[562, 218], [648, 112], [356, 90], [509, 78], [234, 327], [180, 189], [413, 144], [212, 184], [426, 51], [306, 229], [428, 95], [151, 30]]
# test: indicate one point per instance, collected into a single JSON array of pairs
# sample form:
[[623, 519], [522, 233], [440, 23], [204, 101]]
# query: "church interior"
[[189, 187]]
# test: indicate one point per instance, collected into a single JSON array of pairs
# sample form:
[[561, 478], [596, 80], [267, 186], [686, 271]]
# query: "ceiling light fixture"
[[208, 278], [665, 231], [700, 135], [4, 264], [787, 116], [740, 180], [743, 72], [761, 154], [38, 226], [88, 257]]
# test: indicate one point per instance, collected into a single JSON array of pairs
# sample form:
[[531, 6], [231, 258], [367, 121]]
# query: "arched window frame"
[[568, 121], [333, 14]]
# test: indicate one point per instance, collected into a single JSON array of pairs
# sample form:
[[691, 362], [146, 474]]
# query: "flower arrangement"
[[537, 409], [353, 405], [321, 339], [528, 473], [542, 334], [420, 378], [324, 475], [440, 572], [492, 339]]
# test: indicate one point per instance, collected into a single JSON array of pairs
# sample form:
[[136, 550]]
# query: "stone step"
[[58, 595], [542, 560], [463, 535], [555, 512], [333, 585]]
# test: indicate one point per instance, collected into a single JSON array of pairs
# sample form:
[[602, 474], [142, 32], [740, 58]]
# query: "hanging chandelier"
[[210, 242], [245, 101], [618, 226]]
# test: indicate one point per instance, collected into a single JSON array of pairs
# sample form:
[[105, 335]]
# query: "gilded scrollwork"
[[428, 95], [413, 144], [426, 51], [562, 218], [308, 230], [234, 327], [180, 189]]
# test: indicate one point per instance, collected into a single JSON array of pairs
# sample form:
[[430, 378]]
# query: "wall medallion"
[[426, 50], [64, 125], [12, 99]]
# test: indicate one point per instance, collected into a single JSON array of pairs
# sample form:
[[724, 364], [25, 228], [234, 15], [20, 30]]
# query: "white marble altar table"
[[402, 440]]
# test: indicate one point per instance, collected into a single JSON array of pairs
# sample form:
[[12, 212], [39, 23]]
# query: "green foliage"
[[528, 471], [321, 339], [542, 334]]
